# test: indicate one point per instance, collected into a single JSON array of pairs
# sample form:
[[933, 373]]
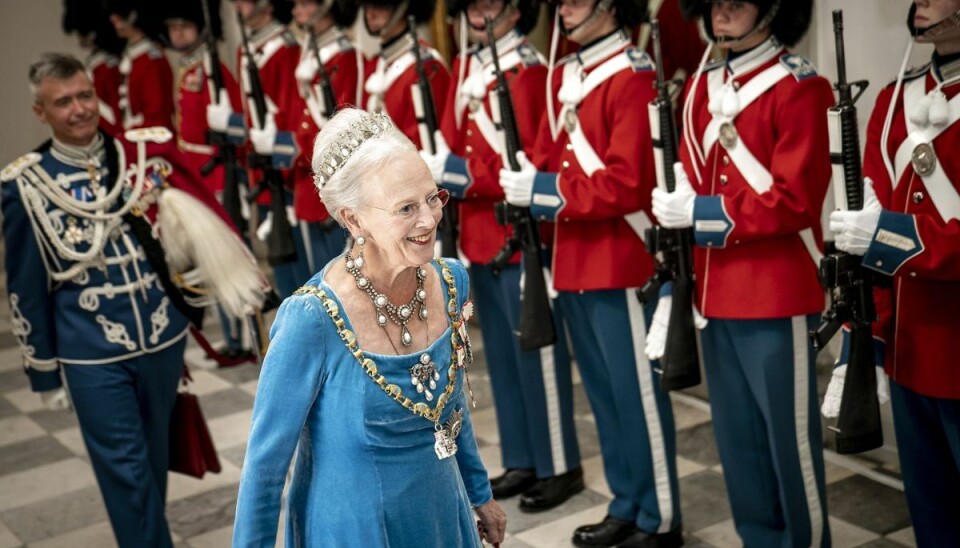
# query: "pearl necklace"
[[398, 314]]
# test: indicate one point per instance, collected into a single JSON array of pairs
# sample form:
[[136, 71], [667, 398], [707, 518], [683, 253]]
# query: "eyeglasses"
[[410, 211]]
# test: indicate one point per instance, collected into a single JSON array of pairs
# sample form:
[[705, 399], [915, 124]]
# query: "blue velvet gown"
[[366, 473]]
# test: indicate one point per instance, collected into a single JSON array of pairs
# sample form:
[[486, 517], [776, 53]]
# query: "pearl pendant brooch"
[[424, 376]]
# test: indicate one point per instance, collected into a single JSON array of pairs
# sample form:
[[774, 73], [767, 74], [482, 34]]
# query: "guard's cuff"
[[44, 376], [546, 201], [456, 176], [879, 349], [895, 242], [285, 150], [236, 130], [711, 224]]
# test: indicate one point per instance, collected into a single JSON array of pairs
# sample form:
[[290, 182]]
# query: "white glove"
[[264, 139], [437, 162], [675, 209], [218, 114], [854, 229], [657, 334], [306, 70], [518, 185], [56, 399], [834, 395]]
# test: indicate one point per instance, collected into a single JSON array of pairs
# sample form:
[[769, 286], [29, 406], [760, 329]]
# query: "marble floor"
[[49, 498]]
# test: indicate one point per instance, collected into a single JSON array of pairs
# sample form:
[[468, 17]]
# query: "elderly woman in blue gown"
[[366, 376]]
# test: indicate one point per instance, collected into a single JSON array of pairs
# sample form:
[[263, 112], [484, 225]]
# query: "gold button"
[[569, 146], [470, 116], [469, 149], [305, 125], [917, 197], [879, 263], [736, 86], [306, 111], [565, 164], [726, 160], [723, 179], [913, 274], [469, 133]]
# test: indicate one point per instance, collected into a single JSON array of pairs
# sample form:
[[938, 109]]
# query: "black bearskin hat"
[[344, 12], [629, 13], [529, 11], [789, 24], [421, 10], [87, 18], [192, 10], [148, 17]]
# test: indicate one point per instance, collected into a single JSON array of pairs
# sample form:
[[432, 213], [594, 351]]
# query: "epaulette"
[[289, 39], [713, 65], [528, 55], [154, 52], [913, 73], [345, 43], [639, 60], [566, 58], [798, 66], [158, 134], [16, 167]]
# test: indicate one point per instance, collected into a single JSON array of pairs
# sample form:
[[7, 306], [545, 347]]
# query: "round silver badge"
[[570, 121], [728, 135], [474, 105], [924, 159]]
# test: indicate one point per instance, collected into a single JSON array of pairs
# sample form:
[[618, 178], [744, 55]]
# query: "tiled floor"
[[48, 496]]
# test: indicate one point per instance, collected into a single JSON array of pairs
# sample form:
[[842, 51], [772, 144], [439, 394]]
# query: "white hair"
[[345, 188]]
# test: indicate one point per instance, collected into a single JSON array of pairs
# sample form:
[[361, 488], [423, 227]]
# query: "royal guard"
[[146, 88], [755, 169], [532, 390], [112, 247], [275, 52], [591, 175], [338, 84], [391, 77], [87, 19], [909, 230]]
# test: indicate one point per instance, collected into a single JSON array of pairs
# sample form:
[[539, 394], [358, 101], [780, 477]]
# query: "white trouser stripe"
[[801, 379], [308, 247], [548, 368], [651, 413]]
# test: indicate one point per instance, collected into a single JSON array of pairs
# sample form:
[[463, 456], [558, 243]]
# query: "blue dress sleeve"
[[474, 474], [31, 302], [290, 382]]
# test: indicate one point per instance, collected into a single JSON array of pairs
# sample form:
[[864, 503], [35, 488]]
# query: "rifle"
[[426, 112], [536, 319], [227, 154], [325, 85], [849, 284], [680, 363], [281, 248]]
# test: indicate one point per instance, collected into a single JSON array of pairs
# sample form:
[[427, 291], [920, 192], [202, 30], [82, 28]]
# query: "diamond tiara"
[[347, 142]]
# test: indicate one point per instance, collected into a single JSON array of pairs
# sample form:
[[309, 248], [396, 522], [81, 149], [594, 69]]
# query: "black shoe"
[[608, 532], [550, 492], [642, 539], [512, 482]]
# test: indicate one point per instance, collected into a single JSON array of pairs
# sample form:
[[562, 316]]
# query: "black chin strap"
[[602, 7], [398, 13]]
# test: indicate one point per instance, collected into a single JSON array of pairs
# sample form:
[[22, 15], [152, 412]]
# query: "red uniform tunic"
[[390, 77], [598, 172], [194, 92], [340, 60], [757, 216], [276, 53], [146, 92], [468, 124], [104, 69], [918, 239]]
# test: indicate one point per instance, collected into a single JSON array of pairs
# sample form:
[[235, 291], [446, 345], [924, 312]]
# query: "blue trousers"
[[634, 418], [315, 248], [928, 441], [763, 395], [532, 391], [124, 412]]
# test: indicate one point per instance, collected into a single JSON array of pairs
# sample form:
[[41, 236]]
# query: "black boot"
[[608, 532], [550, 492], [642, 539], [512, 482]]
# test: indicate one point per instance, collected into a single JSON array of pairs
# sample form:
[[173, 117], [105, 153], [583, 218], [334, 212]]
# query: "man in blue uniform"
[[90, 292]]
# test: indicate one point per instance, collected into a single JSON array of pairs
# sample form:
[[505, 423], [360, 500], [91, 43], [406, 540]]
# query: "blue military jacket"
[[81, 288]]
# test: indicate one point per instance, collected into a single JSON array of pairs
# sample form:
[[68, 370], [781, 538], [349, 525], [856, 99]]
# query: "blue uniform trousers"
[[124, 411], [763, 395], [532, 391], [634, 417], [928, 441]]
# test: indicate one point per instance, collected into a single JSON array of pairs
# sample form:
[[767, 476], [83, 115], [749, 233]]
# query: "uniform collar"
[[507, 42], [748, 61], [132, 51], [327, 37], [191, 59], [946, 69], [396, 47], [260, 37], [600, 50], [80, 156]]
